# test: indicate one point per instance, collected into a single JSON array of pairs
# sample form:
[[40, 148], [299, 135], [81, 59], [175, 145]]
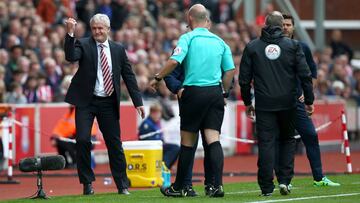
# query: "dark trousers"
[[305, 127], [170, 154], [106, 112], [269, 126], [209, 178], [70, 148]]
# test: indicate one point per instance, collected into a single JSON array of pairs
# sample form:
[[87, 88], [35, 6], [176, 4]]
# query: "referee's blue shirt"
[[205, 57]]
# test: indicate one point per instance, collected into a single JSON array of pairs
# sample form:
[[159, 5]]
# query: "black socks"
[[185, 159], [217, 162]]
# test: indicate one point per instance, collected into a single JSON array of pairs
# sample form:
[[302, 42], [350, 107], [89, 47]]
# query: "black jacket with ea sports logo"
[[273, 62]]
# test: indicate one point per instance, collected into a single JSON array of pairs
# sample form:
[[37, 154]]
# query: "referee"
[[273, 62], [204, 56], [174, 83]]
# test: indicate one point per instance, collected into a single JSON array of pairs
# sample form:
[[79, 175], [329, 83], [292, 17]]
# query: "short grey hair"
[[100, 18], [275, 18]]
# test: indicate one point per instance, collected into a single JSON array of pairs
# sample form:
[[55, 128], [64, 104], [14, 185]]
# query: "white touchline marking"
[[230, 193], [242, 192], [238, 192], [305, 198], [251, 191]]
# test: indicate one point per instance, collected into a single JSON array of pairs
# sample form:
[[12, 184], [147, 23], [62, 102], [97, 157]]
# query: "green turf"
[[234, 192]]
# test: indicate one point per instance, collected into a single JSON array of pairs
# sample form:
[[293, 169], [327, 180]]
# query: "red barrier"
[[325, 113], [31, 133], [25, 133], [28, 132], [49, 116], [328, 112]]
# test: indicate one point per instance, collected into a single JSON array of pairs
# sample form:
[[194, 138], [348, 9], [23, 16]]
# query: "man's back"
[[204, 55], [274, 62]]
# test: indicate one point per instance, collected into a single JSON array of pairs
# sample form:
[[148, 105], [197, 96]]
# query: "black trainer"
[[285, 189], [188, 191], [88, 189], [208, 189], [217, 192], [170, 191]]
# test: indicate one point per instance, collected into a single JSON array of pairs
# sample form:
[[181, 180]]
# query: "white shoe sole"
[[284, 189]]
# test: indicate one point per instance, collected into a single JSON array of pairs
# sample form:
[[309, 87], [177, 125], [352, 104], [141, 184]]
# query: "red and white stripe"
[[346, 142], [7, 123], [107, 77], [10, 160]]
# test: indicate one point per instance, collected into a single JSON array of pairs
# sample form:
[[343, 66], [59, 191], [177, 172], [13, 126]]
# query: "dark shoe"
[[188, 191], [208, 189], [265, 194], [285, 189], [124, 191], [88, 189], [217, 192], [170, 191]]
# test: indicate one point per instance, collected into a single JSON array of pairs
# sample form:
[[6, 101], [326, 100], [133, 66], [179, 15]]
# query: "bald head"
[[198, 13], [275, 18]]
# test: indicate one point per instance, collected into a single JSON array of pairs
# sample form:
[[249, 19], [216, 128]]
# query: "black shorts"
[[201, 108]]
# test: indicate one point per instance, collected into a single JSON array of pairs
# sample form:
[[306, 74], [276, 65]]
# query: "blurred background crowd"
[[33, 68]]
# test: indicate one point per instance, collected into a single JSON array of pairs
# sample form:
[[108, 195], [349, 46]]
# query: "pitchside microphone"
[[46, 163], [39, 164]]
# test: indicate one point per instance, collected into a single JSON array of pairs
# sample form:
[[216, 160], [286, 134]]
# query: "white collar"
[[106, 43]]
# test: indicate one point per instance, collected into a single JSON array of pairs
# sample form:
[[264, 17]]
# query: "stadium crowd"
[[33, 68]]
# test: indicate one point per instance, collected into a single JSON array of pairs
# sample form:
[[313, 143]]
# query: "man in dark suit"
[[273, 63], [95, 92]]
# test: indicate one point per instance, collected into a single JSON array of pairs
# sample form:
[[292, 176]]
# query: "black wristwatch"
[[226, 94], [157, 78]]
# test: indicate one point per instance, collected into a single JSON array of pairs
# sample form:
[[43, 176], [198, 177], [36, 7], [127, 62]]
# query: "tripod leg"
[[40, 192]]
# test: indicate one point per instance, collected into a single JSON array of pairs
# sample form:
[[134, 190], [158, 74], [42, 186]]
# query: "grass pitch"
[[303, 191]]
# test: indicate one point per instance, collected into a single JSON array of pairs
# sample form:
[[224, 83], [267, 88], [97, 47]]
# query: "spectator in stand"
[[4, 16], [23, 65], [103, 6], [59, 57], [338, 46], [2, 73], [15, 53], [30, 90], [119, 14], [338, 88], [356, 85], [222, 12], [15, 29], [80, 30], [4, 62], [35, 69], [15, 96], [53, 74], [2, 91], [53, 11], [260, 19], [84, 10], [323, 89], [44, 92], [63, 88]]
